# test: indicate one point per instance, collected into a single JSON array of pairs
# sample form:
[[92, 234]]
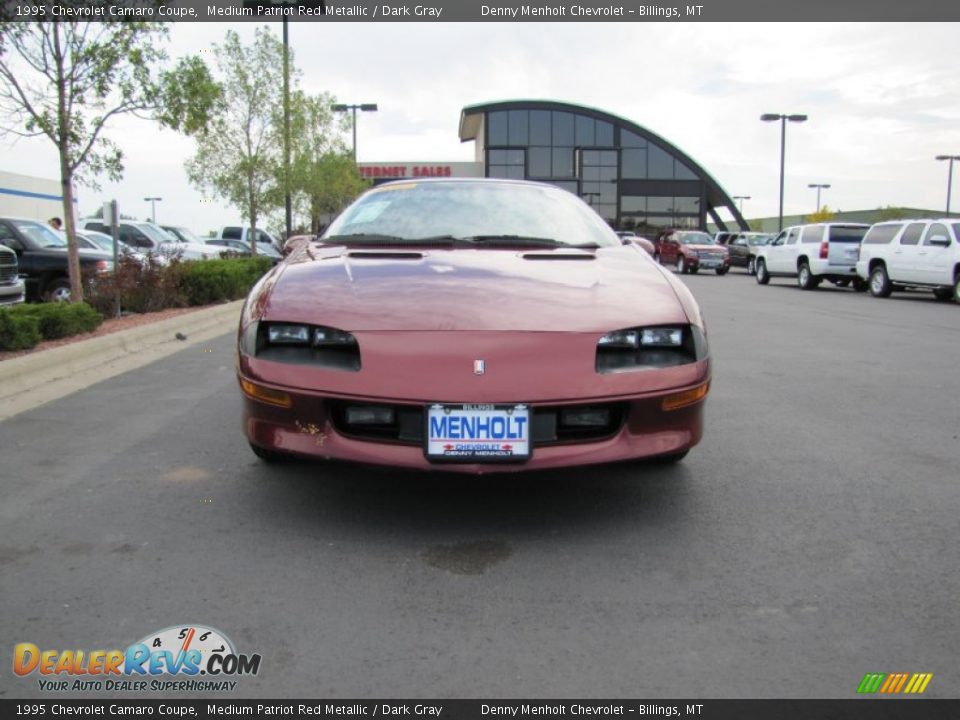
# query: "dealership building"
[[629, 175]]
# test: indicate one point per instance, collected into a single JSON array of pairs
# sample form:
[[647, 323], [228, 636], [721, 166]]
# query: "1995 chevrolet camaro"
[[472, 326]]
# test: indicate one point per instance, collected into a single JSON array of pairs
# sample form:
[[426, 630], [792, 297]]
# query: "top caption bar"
[[488, 11]]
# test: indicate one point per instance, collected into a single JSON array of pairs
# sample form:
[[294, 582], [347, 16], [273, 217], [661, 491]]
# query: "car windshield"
[[696, 238], [156, 234], [482, 212], [104, 242], [40, 234], [268, 250], [185, 235]]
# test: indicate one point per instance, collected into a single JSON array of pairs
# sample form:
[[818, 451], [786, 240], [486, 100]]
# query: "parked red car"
[[690, 251], [473, 326]]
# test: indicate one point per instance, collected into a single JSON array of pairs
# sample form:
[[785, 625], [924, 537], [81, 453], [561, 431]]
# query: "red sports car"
[[472, 325]]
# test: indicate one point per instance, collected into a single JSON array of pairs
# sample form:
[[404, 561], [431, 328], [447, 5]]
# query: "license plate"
[[478, 433], [709, 263]]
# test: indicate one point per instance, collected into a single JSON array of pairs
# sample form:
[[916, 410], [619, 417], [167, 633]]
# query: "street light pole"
[[153, 207], [771, 117], [287, 201], [819, 187], [741, 198], [949, 158], [363, 107]]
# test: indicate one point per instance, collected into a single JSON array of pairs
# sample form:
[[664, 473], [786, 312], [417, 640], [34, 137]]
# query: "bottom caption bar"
[[856, 709]]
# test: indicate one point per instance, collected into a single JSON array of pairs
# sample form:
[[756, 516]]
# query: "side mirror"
[[939, 241]]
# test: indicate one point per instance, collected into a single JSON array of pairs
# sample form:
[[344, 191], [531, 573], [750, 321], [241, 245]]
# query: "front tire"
[[805, 278], [752, 266], [880, 285], [763, 277], [671, 459], [722, 270], [681, 265], [271, 457], [58, 291]]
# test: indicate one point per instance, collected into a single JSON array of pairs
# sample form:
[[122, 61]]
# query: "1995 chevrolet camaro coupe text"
[[472, 326]]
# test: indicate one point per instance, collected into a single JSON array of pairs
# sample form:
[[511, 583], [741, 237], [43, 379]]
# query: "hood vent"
[[384, 255], [557, 256]]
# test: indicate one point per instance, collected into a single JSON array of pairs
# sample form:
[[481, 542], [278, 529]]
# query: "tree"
[[66, 80], [824, 214], [239, 156], [323, 174]]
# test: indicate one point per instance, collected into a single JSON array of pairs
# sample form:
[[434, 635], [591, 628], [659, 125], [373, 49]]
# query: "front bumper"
[[311, 427], [12, 293]]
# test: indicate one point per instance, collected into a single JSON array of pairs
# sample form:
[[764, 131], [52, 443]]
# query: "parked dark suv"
[[42, 255]]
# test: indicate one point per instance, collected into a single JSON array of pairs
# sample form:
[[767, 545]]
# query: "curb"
[[32, 380]]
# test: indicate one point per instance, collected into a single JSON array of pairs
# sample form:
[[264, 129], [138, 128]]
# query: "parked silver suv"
[[902, 254]]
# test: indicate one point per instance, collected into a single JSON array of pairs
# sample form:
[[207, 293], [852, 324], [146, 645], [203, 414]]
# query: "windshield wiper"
[[527, 241], [362, 238]]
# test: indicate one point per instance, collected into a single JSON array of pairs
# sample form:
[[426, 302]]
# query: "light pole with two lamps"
[[363, 107], [153, 207], [771, 117], [819, 187], [950, 159]]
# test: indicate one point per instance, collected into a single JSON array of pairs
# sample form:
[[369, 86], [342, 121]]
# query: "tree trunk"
[[66, 175]]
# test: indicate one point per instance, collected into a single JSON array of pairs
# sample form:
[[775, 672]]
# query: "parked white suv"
[[904, 254], [812, 253]]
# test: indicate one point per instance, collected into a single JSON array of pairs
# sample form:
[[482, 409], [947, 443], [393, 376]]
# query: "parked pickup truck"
[[42, 255], [812, 253], [11, 284]]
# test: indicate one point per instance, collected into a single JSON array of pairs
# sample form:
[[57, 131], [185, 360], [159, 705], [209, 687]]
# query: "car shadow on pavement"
[[440, 505]]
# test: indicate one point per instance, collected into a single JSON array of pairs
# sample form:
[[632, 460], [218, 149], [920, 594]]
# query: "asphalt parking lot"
[[811, 537]]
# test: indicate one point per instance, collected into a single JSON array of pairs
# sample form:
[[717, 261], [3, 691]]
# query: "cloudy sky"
[[883, 100]]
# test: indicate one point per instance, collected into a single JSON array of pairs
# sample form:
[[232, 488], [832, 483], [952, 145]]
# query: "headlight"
[[661, 337], [302, 345], [620, 339], [650, 347], [288, 334]]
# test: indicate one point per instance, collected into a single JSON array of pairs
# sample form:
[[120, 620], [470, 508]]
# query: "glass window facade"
[[631, 178]]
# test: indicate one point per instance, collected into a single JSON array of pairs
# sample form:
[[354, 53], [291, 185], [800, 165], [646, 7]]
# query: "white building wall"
[[30, 197]]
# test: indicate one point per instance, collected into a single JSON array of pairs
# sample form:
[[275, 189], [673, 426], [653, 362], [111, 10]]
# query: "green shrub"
[[18, 330], [210, 281], [59, 320], [138, 287]]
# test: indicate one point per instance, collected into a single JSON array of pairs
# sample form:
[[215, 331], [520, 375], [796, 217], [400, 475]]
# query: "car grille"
[[546, 426], [8, 269]]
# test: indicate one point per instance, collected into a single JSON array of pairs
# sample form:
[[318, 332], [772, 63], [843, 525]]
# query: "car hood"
[[469, 289]]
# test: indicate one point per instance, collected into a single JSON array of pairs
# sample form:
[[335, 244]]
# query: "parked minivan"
[[813, 253], [901, 254]]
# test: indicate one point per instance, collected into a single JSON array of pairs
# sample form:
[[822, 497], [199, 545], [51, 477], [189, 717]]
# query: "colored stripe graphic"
[[894, 683], [871, 683], [918, 683]]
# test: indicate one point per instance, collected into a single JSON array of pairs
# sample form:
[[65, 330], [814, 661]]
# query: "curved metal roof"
[[716, 196]]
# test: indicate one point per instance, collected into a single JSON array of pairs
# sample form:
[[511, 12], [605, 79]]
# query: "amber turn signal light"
[[687, 397], [265, 394]]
